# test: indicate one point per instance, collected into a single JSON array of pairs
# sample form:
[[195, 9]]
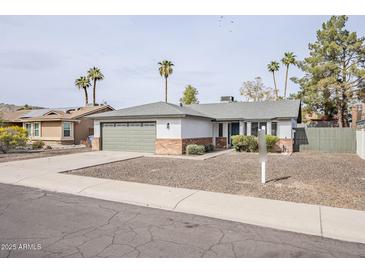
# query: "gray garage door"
[[136, 136]]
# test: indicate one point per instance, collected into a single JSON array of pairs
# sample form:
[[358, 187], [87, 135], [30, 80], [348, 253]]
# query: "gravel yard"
[[316, 178], [8, 157]]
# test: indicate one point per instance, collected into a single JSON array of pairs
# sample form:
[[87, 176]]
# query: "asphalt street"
[[36, 223]]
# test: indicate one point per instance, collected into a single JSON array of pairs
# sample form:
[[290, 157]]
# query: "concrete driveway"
[[36, 223]]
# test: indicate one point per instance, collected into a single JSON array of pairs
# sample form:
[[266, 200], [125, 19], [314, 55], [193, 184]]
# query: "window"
[[108, 125], [274, 128], [220, 130], [134, 124], [245, 129], [28, 127], [67, 129], [263, 124], [121, 124], [148, 124], [254, 128], [36, 130]]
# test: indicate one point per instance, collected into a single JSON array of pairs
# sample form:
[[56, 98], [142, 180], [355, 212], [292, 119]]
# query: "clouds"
[[23, 59], [41, 56]]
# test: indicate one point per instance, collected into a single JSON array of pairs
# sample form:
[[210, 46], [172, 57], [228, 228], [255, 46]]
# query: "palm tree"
[[95, 75], [288, 59], [274, 67], [165, 70], [83, 83]]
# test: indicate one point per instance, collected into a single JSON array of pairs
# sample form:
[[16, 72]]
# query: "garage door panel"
[[138, 136]]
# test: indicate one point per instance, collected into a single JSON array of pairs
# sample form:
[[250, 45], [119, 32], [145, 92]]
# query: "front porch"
[[224, 130]]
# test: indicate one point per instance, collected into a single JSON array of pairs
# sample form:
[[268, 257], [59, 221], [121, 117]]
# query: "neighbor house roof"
[[53, 114], [159, 109], [12, 116], [217, 111]]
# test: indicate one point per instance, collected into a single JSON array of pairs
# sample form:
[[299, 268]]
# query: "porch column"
[[268, 130], [248, 128], [225, 132], [214, 130], [242, 127]]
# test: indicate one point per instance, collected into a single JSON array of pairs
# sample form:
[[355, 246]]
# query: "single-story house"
[[56, 125], [165, 128]]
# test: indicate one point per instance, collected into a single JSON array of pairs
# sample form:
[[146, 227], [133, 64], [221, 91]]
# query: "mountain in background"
[[11, 107]]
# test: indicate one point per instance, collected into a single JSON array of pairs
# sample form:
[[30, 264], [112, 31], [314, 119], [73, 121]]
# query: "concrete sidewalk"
[[342, 224]]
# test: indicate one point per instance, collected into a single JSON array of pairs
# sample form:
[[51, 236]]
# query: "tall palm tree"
[[165, 70], [288, 59], [274, 67], [83, 83], [95, 74]]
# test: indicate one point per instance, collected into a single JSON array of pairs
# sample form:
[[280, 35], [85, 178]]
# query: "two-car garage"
[[128, 136]]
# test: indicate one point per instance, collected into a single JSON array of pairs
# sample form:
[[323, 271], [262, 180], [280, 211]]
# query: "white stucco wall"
[[196, 128], [285, 129], [96, 129], [174, 130], [360, 143]]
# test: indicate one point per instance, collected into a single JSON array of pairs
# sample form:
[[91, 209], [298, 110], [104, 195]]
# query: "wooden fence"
[[339, 140]]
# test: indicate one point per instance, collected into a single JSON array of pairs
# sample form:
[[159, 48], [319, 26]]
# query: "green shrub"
[[245, 143], [209, 147], [271, 141], [12, 137], [195, 149], [38, 144]]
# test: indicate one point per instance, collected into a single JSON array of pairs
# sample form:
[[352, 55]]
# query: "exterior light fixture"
[[168, 125]]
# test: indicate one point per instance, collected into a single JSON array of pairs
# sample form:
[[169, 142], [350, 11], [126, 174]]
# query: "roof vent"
[[227, 99]]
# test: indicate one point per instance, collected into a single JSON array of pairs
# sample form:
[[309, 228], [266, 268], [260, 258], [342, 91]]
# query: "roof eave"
[[145, 116]]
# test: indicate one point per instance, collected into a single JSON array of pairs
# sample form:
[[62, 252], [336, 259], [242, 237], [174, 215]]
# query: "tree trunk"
[[94, 93], [286, 80], [276, 88], [340, 113], [166, 89], [86, 97]]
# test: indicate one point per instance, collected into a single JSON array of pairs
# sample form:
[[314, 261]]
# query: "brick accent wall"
[[168, 146], [178, 146], [197, 141], [284, 145], [95, 145], [221, 142]]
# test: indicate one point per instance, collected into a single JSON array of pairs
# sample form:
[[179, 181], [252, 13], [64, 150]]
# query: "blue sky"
[[41, 56]]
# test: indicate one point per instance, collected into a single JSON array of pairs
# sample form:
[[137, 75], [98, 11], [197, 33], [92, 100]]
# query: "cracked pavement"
[[64, 225]]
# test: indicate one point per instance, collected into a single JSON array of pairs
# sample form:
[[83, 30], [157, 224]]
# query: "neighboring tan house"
[[358, 115], [56, 125], [165, 128]]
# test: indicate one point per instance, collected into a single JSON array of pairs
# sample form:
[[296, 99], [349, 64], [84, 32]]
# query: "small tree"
[[274, 67], [95, 75], [255, 91], [288, 59], [12, 137], [190, 96], [2, 122], [83, 82], [165, 69]]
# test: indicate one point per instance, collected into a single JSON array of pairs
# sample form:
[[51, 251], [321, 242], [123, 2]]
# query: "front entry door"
[[233, 129]]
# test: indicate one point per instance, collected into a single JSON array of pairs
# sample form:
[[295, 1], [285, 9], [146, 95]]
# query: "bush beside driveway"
[[336, 180]]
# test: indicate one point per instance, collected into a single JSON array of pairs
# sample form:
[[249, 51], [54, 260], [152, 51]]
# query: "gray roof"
[[40, 112], [218, 111], [250, 110], [159, 109]]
